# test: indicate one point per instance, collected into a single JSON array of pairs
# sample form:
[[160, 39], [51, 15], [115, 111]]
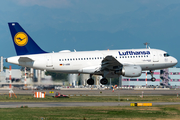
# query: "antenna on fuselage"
[[146, 44]]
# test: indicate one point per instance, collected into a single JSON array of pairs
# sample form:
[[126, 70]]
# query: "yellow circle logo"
[[21, 39]]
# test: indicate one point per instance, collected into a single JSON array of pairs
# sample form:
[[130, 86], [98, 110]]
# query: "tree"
[[5, 67], [57, 76]]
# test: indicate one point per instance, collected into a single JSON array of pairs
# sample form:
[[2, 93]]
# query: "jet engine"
[[130, 71]]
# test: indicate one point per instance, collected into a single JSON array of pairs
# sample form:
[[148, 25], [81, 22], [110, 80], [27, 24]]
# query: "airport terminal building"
[[166, 77]]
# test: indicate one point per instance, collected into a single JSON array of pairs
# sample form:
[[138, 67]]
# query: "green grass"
[[30, 98], [91, 113]]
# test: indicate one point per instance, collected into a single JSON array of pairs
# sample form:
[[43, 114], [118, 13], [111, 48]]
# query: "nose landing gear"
[[153, 79]]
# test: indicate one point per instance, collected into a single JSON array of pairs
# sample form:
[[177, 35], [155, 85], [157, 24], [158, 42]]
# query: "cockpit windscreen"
[[166, 55]]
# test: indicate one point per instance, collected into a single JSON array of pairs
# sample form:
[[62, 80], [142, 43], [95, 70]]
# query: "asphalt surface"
[[72, 104]]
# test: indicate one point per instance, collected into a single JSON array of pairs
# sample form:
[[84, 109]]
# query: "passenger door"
[[49, 61], [155, 56]]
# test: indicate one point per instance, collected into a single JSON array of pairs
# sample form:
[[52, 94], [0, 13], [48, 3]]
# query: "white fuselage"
[[77, 62]]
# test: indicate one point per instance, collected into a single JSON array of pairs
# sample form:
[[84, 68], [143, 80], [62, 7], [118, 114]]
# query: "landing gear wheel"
[[104, 81], [153, 79], [90, 81]]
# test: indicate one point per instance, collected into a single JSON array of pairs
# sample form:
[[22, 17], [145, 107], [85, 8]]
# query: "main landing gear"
[[103, 81], [90, 81], [153, 79]]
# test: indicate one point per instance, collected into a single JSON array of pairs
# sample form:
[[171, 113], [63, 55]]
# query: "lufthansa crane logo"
[[21, 39]]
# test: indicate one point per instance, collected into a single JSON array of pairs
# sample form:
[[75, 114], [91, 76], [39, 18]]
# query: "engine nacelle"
[[130, 71]]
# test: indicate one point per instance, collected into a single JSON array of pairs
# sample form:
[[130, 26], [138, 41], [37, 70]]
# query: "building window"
[[133, 79]]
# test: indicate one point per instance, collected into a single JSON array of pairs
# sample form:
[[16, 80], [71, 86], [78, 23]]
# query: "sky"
[[85, 25]]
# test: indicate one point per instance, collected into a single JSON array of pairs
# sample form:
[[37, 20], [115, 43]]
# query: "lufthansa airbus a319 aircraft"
[[107, 63]]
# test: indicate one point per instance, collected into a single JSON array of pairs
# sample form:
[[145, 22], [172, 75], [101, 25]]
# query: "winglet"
[[23, 43]]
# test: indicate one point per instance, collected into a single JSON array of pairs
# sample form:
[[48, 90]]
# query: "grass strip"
[[92, 113], [30, 98]]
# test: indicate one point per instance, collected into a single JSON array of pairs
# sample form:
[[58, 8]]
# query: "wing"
[[110, 63]]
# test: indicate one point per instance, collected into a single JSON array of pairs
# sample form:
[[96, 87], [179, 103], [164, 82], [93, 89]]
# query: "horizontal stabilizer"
[[25, 59]]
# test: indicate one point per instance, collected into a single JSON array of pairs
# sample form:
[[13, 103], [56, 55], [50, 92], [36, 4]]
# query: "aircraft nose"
[[175, 61]]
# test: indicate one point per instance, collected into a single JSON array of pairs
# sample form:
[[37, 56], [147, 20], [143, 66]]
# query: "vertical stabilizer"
[[23, 43]]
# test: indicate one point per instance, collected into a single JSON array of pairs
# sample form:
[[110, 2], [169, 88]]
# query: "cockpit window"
[[166, 55]]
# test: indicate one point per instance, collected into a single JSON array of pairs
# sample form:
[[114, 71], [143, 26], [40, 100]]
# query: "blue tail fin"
[[23, 43]]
